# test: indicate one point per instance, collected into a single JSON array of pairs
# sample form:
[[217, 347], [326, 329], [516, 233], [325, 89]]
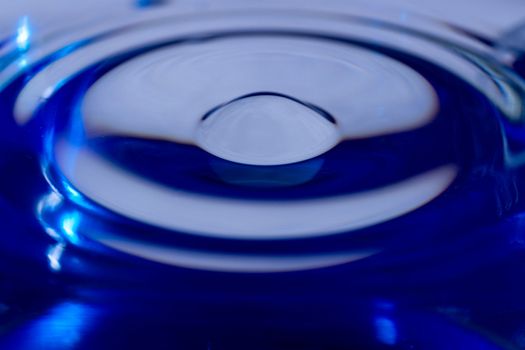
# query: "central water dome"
[[267, 129]]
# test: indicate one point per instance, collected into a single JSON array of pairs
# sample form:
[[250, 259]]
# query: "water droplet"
[[267, 129]]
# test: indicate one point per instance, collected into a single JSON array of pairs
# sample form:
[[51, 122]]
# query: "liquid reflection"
[[54, 255], [148, 202], [69, 225], [241, 263], [65, 225], [386, 330], [61, 327], [385, 327], [23, 34]]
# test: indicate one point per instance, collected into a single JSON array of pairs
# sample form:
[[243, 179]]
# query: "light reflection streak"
[[386, 330], [62, 327], [224, 262], [69, 224], [64, 227], [54, 255], [385, 327], [23, 34]]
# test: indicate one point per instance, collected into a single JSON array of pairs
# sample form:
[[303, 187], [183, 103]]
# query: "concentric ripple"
[[251, 143]]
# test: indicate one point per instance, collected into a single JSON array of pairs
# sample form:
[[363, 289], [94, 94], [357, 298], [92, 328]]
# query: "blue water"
[[447, 275]]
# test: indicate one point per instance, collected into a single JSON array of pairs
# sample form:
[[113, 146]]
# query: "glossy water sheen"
[[237, 178]]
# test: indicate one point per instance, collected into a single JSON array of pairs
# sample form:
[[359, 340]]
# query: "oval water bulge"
[[267, 129]]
